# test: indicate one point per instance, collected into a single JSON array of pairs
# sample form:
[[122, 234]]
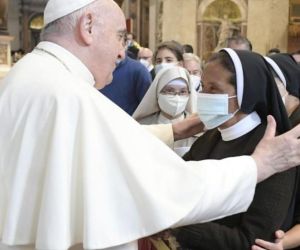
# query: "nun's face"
[[215, 80]]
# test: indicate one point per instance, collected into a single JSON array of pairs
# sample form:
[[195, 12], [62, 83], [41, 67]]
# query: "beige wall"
[[179, 21], [268, 24]]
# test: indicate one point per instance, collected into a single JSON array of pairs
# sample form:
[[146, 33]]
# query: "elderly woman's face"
[[215, 80]]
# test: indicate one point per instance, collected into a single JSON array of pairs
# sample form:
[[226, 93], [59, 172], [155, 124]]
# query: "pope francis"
[[75, 170]]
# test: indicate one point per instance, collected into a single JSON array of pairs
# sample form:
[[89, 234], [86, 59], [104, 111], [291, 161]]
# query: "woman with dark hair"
[[168, 54], [238, 93]]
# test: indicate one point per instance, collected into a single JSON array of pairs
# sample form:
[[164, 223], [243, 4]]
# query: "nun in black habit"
[[287, 71], [291, 72], [239, 93]]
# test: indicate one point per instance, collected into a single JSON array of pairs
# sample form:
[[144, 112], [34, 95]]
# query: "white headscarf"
[[149, 104]]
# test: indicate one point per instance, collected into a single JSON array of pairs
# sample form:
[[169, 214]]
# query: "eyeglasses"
[[173, 93], [122, 36]]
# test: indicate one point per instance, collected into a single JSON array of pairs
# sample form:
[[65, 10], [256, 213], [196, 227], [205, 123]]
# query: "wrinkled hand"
[[266, 245], [276, 154], [190, 126]]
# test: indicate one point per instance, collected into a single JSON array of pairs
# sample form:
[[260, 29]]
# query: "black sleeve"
[[297, 207], [264, 216]]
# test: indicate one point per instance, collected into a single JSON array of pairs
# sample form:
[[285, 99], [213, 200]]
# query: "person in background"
[[241, 83], [296, 56], [273, 51], [132, 46], [168, 54], [287, 73], [130, 42], [187, 48], [192, 64], [130, 82], [145, 56], [238, 42], [132, 52]]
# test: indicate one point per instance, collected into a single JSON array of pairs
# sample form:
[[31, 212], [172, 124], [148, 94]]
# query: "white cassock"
[[75, 168]]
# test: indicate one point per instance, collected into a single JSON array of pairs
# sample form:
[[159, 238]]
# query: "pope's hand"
[[275, 154]]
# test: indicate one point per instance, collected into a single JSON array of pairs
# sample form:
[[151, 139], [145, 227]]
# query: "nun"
[[238, 93], [289, 70], [170, 98], [287, 76]]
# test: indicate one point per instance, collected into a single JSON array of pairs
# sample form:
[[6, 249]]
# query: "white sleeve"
[[237, 176], [164, 132]]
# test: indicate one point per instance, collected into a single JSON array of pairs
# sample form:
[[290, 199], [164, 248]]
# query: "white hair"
[[66, 24], [191, 57]]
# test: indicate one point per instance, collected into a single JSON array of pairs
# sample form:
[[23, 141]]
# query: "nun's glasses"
[[183, 92]]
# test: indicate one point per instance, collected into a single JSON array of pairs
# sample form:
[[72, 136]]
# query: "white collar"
[[241, 128], [67, 59]]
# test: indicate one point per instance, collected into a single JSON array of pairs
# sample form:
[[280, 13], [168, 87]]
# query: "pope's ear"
[[85, 25]]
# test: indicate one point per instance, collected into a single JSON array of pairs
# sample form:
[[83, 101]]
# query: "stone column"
[[268, 24], [154, 23], [5, 40], [173, 20]]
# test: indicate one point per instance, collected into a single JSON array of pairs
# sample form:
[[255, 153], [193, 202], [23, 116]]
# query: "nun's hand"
[[275, 154], [266, 245], [189, 127]]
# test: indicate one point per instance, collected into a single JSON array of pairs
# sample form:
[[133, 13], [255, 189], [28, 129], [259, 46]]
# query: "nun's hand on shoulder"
[[275, 154], [266, 245]]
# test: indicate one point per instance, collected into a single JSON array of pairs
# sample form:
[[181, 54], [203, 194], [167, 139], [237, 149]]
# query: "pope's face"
[[109, 43]]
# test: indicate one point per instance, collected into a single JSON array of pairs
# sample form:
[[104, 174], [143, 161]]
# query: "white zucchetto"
[[56, 9]]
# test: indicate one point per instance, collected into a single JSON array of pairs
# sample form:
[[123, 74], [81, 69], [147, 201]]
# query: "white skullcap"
[[56, 9]]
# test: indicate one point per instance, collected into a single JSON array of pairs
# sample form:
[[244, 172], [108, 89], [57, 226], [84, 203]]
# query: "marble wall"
[[179, 21], [268, 24]]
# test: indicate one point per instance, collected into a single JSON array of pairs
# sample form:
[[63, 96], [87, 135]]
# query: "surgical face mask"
[[213, 109], [196, 82], [145, 63], [159, 67], [172, 105]]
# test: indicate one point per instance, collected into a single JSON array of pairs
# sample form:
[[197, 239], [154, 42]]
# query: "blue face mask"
[[213, 109]]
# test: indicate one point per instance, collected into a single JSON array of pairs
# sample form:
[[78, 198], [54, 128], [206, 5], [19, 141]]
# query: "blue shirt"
[[131, 81]]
